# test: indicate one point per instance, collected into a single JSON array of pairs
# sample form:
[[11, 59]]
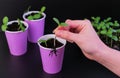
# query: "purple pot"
[[36, 27], [51, 63], [17, 40]]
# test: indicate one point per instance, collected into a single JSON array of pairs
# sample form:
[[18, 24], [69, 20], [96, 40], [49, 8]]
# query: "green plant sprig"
[[20, 25], [5, 22], [37, 15]]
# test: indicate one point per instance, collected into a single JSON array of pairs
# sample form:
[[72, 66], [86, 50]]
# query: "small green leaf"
[[56, 20], [3, 27], [63, 24], [43, 41], [40, 41], [108, 19], [43, 9], [116, 23], [30, 17], [5, 20], [118, 30], [93, 18], [115, 38], [110, 23], [36, 16], [109, 35], [103, 32]]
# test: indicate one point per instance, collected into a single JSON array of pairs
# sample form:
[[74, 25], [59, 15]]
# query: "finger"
[[66, 35], [61, 28], [74, 23]]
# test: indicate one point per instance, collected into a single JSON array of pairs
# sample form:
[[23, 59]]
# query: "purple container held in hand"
[[52, 64], [36, 27], [17, 40]]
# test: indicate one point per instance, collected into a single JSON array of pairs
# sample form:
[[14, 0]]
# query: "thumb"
[[69, 36]]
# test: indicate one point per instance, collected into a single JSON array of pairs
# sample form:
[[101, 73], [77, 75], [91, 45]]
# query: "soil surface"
[[50, 43], [14, 27], [32, 15]]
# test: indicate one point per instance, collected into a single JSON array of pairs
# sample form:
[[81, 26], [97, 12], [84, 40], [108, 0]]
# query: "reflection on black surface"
[[16, 67], [30, 66]]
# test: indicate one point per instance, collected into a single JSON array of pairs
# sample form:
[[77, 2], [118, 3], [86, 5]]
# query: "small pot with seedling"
[[36, 22], [108, 31], [52, 51], [16, 34]]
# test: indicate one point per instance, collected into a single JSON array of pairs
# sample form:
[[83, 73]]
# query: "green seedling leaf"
[[36, 16], [43, 9], [5, 20], [108, 19], [93, 18], [110, 23], [30, 17], [43, 41], [4, 27], [115, 38], [103, 32], [21, 25], [56, 20], [63, 24], [116, 23], [118, 30]]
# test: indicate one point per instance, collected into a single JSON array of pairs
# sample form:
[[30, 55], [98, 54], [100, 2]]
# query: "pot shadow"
[[46, 75]]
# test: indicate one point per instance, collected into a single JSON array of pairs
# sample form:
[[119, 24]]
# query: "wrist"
[[100, 53]]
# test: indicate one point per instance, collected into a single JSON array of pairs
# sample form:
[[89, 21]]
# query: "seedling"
[[37, 15], [106, 29], [54, 43], [59, 24], [21, 25], [44, 41], [5, 22]]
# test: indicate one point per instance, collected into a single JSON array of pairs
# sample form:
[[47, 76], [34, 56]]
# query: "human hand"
[[83, 34]]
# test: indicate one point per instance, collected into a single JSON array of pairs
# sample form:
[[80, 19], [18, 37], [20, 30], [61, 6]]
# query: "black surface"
[[75, 65]]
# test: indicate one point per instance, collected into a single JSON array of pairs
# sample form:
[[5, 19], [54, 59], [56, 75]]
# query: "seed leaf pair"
[[37, 15], [59, 23]]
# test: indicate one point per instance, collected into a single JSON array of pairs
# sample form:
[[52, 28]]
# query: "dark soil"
[[50, 43], [14, 27], [32, 15]]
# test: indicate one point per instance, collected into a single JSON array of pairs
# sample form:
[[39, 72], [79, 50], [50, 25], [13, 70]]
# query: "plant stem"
[[54, 41], [111, 42]]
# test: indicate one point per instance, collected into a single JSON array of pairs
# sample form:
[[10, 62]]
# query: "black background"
[[75, 65]]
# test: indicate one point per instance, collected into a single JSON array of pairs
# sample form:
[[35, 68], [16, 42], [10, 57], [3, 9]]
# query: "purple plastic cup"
[[52, 64], [36, 27], [17, 40]]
